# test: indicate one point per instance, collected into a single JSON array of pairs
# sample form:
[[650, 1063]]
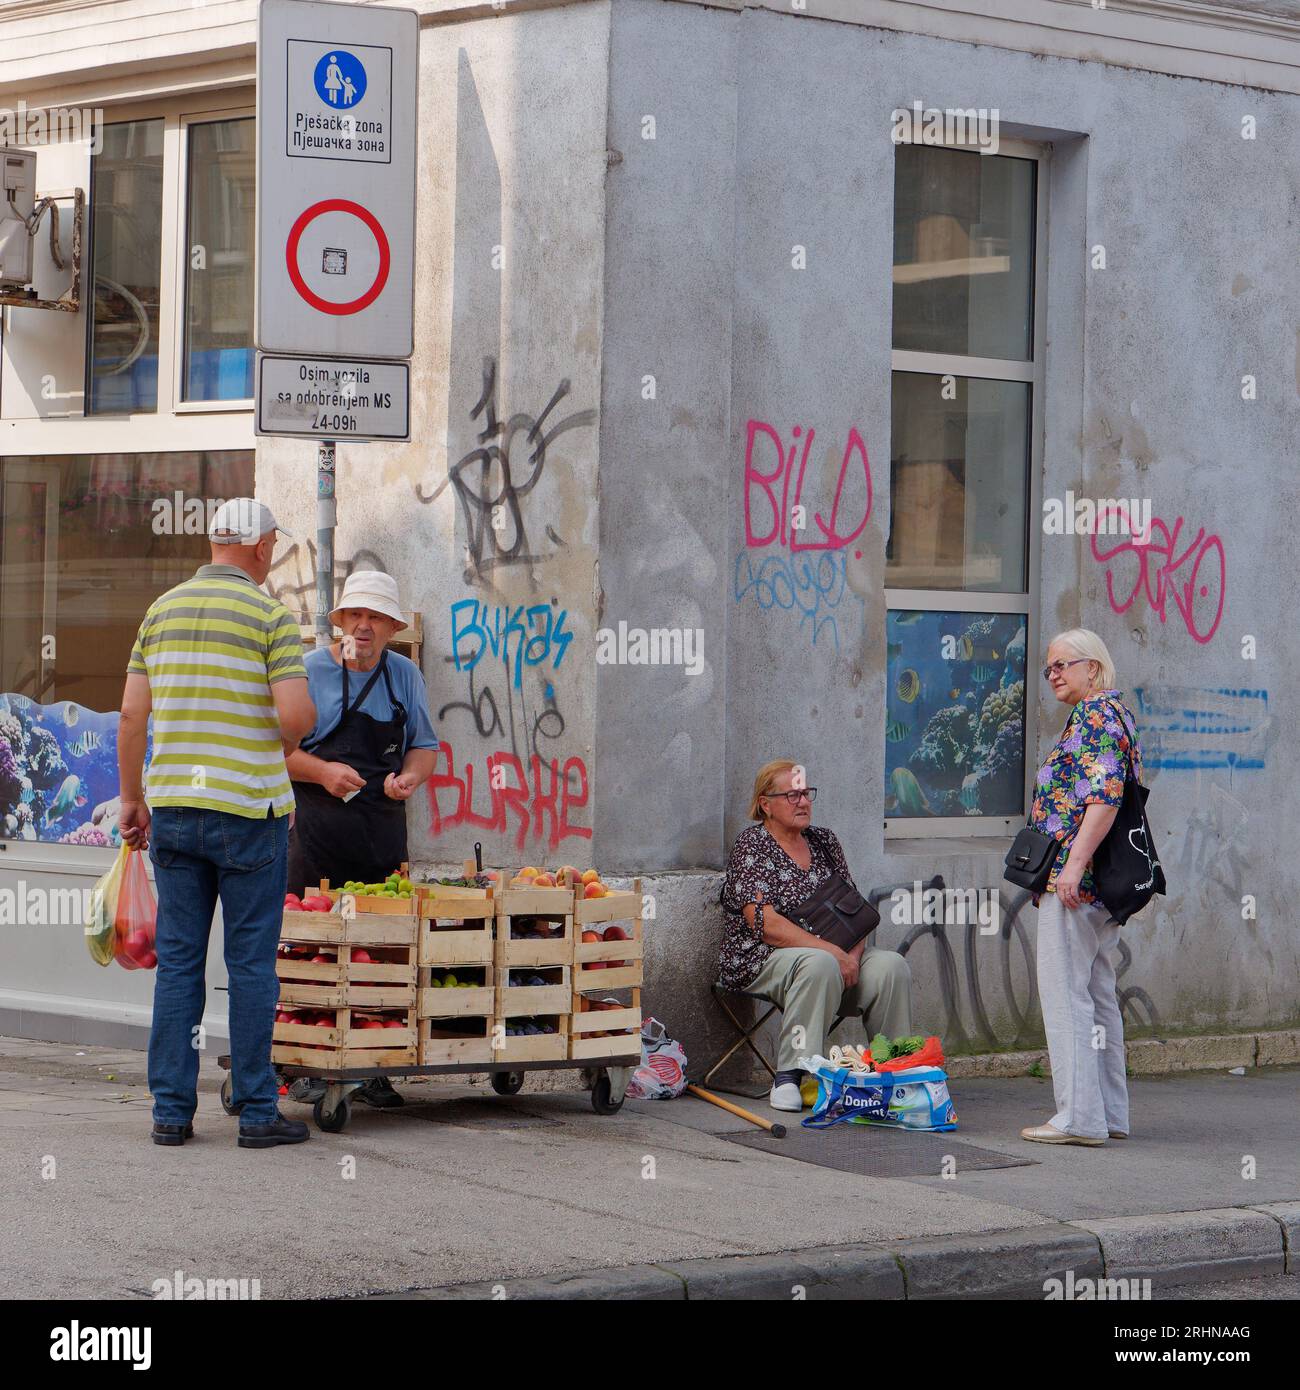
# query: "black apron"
[[364, 838]]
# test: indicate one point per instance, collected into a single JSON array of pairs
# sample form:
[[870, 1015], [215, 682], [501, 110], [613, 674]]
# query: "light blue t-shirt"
[[325, 684]]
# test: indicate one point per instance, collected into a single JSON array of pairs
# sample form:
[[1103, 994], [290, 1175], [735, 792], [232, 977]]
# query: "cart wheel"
[[228, 1095], [600, 1097], [332, 1121], [507, 1083]]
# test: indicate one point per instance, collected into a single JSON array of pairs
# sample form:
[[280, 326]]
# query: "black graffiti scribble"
[[484, 480], [485, 710], [293, 575], [996, 956]]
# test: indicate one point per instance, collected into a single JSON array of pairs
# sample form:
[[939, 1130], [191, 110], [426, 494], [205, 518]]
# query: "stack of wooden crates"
[[467, 975]]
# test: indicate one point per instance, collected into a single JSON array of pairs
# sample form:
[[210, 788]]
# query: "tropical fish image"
[[909, 685], [66, 799], [86, 744], [20, 702], [908, 798], [70, 714], [25, 794], [908, 619], [896, 731], [965, 647], [983, 673], [970, 791], [954, 694]]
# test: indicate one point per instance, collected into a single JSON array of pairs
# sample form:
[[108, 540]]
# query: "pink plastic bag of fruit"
[[135, 924]]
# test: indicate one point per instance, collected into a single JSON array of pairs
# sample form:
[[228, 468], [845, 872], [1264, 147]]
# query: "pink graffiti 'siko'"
[[1157, 559], [778, 528]]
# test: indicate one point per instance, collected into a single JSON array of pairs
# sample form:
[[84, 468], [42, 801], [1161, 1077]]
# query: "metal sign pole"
[[325, 517]]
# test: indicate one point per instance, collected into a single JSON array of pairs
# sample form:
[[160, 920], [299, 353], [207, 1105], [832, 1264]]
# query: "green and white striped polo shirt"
[[212, 647]]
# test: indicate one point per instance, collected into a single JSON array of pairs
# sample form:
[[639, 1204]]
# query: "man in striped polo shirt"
[[218, 663]]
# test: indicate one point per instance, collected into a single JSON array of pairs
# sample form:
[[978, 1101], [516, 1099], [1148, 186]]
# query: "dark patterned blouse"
[[759, 865]]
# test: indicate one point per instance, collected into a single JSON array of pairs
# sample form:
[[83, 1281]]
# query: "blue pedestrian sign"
[[340, 80]]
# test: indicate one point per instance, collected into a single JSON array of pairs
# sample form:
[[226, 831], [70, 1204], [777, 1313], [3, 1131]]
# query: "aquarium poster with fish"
[[58, 772], [955, 714]]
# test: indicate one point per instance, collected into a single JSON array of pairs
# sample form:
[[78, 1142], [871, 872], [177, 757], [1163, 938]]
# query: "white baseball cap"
[[371, 589], [242, 521]]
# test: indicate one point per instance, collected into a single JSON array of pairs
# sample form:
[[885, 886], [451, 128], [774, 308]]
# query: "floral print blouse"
[[759, 865], [1087, 766]]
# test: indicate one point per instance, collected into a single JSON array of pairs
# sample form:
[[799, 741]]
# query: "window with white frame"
[[172, 236], [961, 558]]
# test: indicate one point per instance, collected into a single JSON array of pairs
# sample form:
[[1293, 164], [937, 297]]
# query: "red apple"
[[394, 1023], [360, 957], [615, 933]]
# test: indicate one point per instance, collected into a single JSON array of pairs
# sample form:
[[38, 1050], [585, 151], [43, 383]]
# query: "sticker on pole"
[[336, 133], [332, 398]]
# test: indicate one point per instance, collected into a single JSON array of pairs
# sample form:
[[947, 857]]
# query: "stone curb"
[[1153, 1056], [1181, 1247], [1166, 1247]]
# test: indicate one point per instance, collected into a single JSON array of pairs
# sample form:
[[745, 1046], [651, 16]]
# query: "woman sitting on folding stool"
[[775, 865]]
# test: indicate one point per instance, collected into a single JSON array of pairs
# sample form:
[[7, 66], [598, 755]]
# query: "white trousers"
[[1081, 1015]]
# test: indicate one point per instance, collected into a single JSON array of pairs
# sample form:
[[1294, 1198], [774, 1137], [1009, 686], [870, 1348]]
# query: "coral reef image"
[[58, 772], [955, 686]]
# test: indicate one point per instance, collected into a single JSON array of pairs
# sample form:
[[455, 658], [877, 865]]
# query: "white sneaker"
[[785, 1097]]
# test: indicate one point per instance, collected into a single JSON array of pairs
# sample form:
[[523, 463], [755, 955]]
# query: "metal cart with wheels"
[[329, 1092]]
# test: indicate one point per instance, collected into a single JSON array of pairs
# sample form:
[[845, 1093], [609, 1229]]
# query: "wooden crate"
[[457, 929], [439, 1002], [552, 905], [544, 1047], [583, 1023], [344, 1044], [512, 1001], [344, 970], [440, 1046], [621, 907], [613, 907], [363, 929]]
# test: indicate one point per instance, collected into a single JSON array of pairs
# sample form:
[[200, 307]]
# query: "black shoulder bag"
[[837, 913], [1126, 871], [1033, 853]]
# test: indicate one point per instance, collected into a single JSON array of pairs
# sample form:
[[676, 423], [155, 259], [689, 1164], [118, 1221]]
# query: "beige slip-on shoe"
[[1049, 1134], [1118, 1133]]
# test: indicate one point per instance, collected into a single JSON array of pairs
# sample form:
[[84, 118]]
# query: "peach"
[[544, 881], [594, 890], [591, 876], [528, 872]]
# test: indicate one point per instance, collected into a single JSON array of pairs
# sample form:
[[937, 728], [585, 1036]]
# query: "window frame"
[[181, 269], [177, 114], [1027, 602]]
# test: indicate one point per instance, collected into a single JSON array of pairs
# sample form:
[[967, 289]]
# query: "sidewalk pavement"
[[461, 1187]]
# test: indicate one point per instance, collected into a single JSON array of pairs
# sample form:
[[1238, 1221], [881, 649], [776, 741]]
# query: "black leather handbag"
[[1126, 870], [837, 913], [1031, 859]]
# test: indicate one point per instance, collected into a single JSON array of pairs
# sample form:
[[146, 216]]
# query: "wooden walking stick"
[[777, 1130]]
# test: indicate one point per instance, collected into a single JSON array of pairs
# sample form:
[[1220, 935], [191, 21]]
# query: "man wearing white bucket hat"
[[372, 746]]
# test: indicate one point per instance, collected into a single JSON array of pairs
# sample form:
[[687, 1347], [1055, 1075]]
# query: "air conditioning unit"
[[19, 173]]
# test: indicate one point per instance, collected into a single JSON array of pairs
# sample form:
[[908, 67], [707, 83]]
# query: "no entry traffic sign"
[[336, 113]]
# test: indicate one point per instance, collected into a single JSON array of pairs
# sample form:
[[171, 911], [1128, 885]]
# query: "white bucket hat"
[[371, 589]]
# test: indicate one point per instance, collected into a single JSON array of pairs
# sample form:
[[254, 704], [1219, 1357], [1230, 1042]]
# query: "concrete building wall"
[[1143, 387]]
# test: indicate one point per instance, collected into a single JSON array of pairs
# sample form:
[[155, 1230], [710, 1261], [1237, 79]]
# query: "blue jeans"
[[198, 857]]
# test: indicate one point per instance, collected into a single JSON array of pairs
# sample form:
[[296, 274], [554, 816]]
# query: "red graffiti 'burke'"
[[832, 539], [532, 806]]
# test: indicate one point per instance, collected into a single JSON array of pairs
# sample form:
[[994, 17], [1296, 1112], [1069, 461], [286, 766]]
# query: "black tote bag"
[[1126, 871]]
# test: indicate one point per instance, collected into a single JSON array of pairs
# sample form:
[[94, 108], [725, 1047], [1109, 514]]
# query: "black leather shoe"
[[174, 1135], [378, 1091], [268, 1136]]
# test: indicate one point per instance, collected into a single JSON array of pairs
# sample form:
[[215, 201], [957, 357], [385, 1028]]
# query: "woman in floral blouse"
[[774, 866], [1076, 797]]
